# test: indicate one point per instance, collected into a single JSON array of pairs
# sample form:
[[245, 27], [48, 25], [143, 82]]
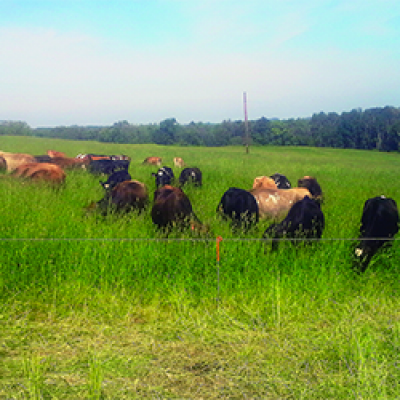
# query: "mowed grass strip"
[[114, 313]]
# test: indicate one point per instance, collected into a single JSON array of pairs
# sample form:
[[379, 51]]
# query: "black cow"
[[305, 220], [379, 224], [115, 178], [192, 175], [239, 205], [164, 176], [313, 187], [44, 159], [107, 167], [281, 181]]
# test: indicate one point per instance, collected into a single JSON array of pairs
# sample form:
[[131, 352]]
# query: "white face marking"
[[106, 186], [358, 252], [273, 198], [160, 173], [383, 197]]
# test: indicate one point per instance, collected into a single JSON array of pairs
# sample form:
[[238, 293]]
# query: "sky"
[[97, 62]]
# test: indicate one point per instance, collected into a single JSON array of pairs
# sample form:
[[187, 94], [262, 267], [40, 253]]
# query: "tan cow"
[[276, 203], [153, 161], [46, 172], [178, 162], [53, 153], [13, 160], [264, 182]]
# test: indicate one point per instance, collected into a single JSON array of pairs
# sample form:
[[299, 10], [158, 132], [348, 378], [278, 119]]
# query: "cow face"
[[281, 181], [191, 175], [164, 176], [115, 178]]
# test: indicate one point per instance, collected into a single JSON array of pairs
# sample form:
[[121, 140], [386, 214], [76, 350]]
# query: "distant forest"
[[374, 128]]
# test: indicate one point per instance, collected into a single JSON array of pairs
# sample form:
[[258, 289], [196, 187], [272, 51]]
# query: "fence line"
[[189, 239]]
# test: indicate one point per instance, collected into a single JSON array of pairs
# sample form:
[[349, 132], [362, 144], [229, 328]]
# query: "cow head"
[[264, 182]]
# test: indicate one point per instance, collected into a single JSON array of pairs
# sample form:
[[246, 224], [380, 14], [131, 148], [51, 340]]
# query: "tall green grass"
[[110, 308]]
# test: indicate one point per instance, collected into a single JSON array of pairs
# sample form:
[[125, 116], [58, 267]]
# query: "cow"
[[172, 208], [275, 203], [164, 176], [313, 187], [46, 172], [191, 175], [379, 224], [153, 161], [125, 197], [3, 164], [240, 206], [115, 178], [107, 166], [13, 160], [305, 220], [178, 162], [281, 181], [264, 182], [70, 162], [53, 153]]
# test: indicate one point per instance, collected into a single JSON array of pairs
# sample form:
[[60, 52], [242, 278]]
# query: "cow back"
[[171, 207], [13, 160], [41, 172], [240, 206], [125, 197], [275, 203], [304, 220]]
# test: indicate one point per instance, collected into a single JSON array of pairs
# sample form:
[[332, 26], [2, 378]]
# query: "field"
[[109, 308]]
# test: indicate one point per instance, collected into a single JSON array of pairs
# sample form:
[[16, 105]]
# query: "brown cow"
[[124, 197], [178, 162], [53, 153], [153, 161], [172, 208], [13, 160], [264, 182], [46, 172], [70, 162], [275, 203]]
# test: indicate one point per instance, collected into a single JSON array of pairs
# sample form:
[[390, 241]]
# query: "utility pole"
[[246, 123]]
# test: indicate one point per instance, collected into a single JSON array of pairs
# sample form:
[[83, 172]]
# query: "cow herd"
[[295, 212]]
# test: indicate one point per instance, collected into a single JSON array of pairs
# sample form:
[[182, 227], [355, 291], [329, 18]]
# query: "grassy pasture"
[[109, 309]]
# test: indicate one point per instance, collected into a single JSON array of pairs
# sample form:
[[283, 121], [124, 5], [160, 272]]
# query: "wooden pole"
[[246, 123]]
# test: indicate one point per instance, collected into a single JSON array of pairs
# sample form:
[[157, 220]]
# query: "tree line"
[[374, 128]]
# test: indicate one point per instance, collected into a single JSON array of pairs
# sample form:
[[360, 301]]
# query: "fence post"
[[219, 239]]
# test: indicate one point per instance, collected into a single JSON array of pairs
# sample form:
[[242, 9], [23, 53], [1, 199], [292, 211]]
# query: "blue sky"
[[96, 62]]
